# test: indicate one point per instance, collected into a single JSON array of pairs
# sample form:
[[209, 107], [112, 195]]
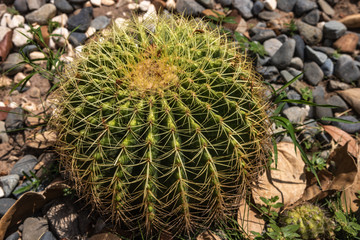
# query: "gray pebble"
[[25, 164], [327, 50], [286, 75], [337, 85], [300, 47], [244, 7], [82, 20], [282, 38], [21, 6], [14, 120], [328, 67], [303, 6], [5, 204], [334, 29], [42, 15], [30, 224], [48, 236], [286, 5], [312, 17], [296, 115], [316, 56], [322, 111], [64, 6], [263, 35], [12, 64], [346, 70], [35, 4], [297, 63], [13, 236], [8, 183], [282, 58], [269, 73], [258, 7], [311, 34], [189, 7], [100, 22], [336, 100], [313, 73], [268, 15], [348, 127], [77, 39]]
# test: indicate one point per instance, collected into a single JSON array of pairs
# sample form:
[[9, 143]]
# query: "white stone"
[[151, 13], [60, 41], [5, 81], [29, 106], [36, 55], [78, 50], [96, 3], [144, 5], [170, 4], [13, 104], [133, 6], [3, 32], [20, 37], [16, 21], [90, 31], [107, 2], [271, 46], [2, 104], [5, 20], [52, 44], [61, 19], [2, 194], [270, 4], [19, 77]]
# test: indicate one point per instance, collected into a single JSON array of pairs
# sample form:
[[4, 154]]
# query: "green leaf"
[[265, 200], [332, 119], [288, 83], [278, 205], [23, 82]]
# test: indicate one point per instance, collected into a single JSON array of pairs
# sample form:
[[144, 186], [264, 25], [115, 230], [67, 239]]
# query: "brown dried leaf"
[[42, 140], [249, 220], [313, 190], [208, 235], [288, 181], [349, 197], [342, 137], [351, 96]]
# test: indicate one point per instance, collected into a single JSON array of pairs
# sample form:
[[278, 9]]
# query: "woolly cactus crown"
[[162, 129]]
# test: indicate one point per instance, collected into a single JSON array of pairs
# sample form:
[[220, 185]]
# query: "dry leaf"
[[26, 205], [208, 235], [351, 96], [42, 140], [349, 197], [342, 137], [313, 190], [249, 220], [288, 181]]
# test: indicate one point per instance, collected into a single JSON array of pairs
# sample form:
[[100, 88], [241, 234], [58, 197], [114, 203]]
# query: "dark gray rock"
[[5, 204], [282, 38], [328, 67], [313, 73], [77, 1], [299, 47], [258, 7], [339, 102], [225, 3], [25, 164], [82, 20], [34, 228], [293, 95], [64, 6], [311, 34], [29, 49], [312, 17], [283, 56], [77, 39], [334, 29], [348, 127], [318, 91], [262, 61], [21, 6], [268, 15], [263, 35], [269, 73], [210, 4], [295, 72], [48, 236], [42, 15], [13, 236], [304, 6], [100, 22], [14, 120], [346, 70], [322, 111], [286, 5], [189, 7], [316, 56], [12, 64], [7, 184], [244, 7], [327, 50]]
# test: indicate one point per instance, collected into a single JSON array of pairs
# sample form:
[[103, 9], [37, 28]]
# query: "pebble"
[[25, 164], [312, 17], [282, 58], [271, 46], [64, 6], [21, 36], [258, 7], [270, 4], [16, 21], [286, 5], [293, 95], [189, 7], [77, 39], [351, 21], [244, 7], [7, 184], [286, 75], [21, 6], [346, 70], [30, 224], [328, 67], [35, 4], [100, 22], [303, 6], [295, 72], [3, 135], [347, 43], [36, 55], [334, 29], [3, 32], [263, 34], [295, 114], [312, 35], [282, 38], [5, 204], [337, 85], [82, 20], [348, 127], [13, 62], [299, 47], [13, 236], [297, 63], [90, 31], [107, 2], [268, 15], [270, 73], [61, 19], [322, 111], [42, 15], [96, 3], [312, 55], [224, 3], [313, 73], [60, 41], [327, 50], [335, 100], [326, 8], [144, 5], [48, 236]]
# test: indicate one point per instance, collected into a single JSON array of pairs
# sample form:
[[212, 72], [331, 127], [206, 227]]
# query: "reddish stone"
[[45, 34], [159, 5], [5, 46], [347, 43], [4, 112]]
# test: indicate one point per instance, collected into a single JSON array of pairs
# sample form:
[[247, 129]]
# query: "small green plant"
[[12, 10], [336, 54], [317, 162], [291, 27], [253, 47], [33, 183], [306, 94], [221, 18]]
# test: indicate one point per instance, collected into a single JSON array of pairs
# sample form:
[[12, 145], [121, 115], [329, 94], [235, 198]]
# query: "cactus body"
[[312, 221], [162, 129]]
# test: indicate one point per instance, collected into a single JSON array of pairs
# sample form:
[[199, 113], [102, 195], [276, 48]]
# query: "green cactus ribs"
[[162, 128]]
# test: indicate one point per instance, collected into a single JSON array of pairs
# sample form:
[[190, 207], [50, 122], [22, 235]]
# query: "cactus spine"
[[162, 129]]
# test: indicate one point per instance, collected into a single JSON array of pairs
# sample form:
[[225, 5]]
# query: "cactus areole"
[[162, 125]]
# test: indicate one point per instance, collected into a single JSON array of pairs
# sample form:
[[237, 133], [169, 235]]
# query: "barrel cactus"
[[312, 220], [162, 125]]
